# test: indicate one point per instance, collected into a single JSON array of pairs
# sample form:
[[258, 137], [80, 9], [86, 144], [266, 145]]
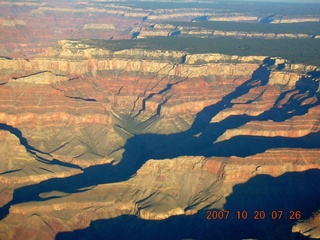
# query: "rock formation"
[[201, 32], [310, 227]]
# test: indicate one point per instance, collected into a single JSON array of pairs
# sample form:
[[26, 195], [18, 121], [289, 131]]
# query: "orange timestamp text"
[[255, 215]]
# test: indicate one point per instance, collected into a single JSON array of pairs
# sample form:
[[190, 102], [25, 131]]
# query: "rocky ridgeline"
[[70, 54], [168, 30], [295, 20], [74, 57], [101, 26]]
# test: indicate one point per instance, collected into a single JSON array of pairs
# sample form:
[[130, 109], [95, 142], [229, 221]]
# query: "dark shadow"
[[267, 19], [83, 99], [263, 193], [33, 151], [183, 59], [18, 134], [175, 33], [281, 66], [33, 74], [10, 171], [200, 19], [135, 35], [7, 58]]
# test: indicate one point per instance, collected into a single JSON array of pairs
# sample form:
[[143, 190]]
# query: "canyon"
[[109, 131], [180, 121]]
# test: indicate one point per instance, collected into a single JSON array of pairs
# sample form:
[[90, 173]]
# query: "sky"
[[289, 1]]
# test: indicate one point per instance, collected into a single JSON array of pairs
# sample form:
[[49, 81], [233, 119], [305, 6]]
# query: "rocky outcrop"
[[11, 22], [295, 20], [260, 35], [209, 32], [40, 78], [101, 26], [309, 228], [284, 78], [234, 18], [199, 59]]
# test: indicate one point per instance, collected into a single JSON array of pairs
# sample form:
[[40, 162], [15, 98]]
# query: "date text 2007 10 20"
[[257, 215]]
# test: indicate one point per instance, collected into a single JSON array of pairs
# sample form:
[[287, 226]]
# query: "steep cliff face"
[[89, 133]]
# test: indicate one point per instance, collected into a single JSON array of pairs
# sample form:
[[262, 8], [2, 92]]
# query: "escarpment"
[[89, 133], [202, 32]]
